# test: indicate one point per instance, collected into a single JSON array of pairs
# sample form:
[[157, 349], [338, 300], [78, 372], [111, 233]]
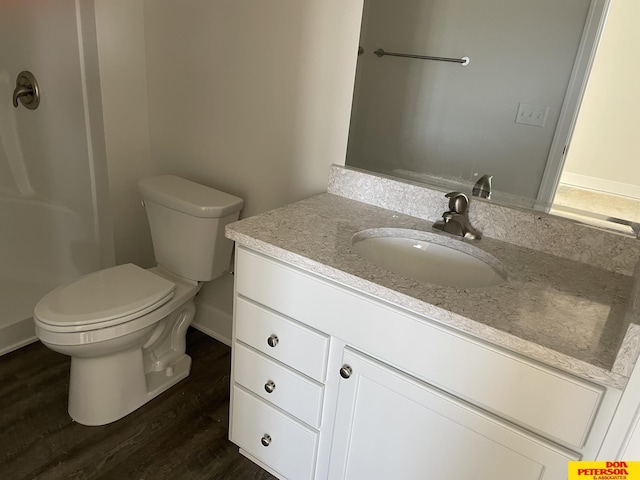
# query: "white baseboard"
[[213, 322], [17, 335], [601, 184]]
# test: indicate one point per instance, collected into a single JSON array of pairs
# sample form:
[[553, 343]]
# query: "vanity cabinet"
[[328, 382]]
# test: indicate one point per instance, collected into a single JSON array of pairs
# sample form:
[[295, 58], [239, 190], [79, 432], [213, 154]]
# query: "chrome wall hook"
[[27, 91]]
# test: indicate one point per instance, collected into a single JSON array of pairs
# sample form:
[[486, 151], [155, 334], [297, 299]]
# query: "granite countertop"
[[561, 312]]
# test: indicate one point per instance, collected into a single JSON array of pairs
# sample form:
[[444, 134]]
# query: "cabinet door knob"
[[345, 371], [270, 386], [265, 440], [273, 340]]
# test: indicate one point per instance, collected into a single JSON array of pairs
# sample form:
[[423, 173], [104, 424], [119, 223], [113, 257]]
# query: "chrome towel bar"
[[464, 61]]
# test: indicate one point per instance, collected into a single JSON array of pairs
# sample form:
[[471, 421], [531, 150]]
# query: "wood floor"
[[181, 435]]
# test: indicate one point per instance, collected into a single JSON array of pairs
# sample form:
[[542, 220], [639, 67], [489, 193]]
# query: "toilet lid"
[[109, 294]]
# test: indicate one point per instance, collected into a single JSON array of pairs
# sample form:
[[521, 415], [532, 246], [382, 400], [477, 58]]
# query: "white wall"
[[251, 97], [604, 149], [458, 122], [121, 52]]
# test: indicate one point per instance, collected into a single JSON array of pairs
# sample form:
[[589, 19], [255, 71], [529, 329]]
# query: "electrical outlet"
[[535, 115]]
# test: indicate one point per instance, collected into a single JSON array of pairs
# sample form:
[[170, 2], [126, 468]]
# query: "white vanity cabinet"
[[363, 389]]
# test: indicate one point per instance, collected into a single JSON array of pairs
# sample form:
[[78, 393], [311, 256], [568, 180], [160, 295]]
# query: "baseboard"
[[17, 335], [601, 185], [213, 322]]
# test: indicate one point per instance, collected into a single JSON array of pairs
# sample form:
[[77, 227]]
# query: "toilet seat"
[[109, 297]]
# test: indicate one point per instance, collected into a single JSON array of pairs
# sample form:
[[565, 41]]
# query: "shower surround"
[[52, 162]]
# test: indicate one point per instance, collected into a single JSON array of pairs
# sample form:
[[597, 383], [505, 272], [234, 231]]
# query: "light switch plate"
[[535, 115]]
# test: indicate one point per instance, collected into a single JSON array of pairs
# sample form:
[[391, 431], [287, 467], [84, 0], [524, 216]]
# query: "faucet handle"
[[482, 187], [458, 202]]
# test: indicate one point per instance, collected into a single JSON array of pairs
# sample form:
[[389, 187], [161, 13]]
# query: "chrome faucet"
[[456, 220]]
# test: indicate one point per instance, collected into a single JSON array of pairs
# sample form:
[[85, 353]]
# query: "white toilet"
[[124, 327]]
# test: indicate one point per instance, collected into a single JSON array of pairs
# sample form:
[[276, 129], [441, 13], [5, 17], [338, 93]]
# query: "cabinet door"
[[390, 425]]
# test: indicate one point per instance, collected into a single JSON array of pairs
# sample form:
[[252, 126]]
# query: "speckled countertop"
[[564, 313]]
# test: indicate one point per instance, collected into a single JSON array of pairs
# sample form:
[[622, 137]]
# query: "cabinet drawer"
[[291, 449], [297, 395], [285, 340]]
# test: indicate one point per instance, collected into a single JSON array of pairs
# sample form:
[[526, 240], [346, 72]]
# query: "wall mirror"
[[500, 98]]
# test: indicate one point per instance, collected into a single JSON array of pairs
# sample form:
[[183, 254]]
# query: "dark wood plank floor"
[[181, 435]]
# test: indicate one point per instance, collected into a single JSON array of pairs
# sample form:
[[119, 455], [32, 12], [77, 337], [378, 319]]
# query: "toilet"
[[124, 327]]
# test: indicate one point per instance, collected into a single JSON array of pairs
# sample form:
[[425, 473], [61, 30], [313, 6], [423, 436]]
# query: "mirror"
[[509, 112]]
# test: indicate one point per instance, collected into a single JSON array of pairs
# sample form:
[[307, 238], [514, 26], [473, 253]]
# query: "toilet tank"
[[187, 223]]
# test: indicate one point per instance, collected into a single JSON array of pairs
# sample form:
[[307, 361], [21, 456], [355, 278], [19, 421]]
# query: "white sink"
[[429, 257]]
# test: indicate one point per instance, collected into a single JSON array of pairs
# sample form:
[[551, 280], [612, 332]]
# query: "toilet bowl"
[[124, 327]]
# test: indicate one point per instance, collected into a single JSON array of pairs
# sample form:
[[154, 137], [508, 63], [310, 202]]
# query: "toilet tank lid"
[[188, 197]]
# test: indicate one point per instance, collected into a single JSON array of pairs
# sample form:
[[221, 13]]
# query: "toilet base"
[[100, 394], [117, 369], [158, 382]]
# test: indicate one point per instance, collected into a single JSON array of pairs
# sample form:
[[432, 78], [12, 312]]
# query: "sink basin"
[[429, 257]]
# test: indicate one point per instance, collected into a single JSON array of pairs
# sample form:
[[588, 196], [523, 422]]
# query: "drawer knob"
[[265, 440], [273, 340], [345, 371], [270, 386]]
